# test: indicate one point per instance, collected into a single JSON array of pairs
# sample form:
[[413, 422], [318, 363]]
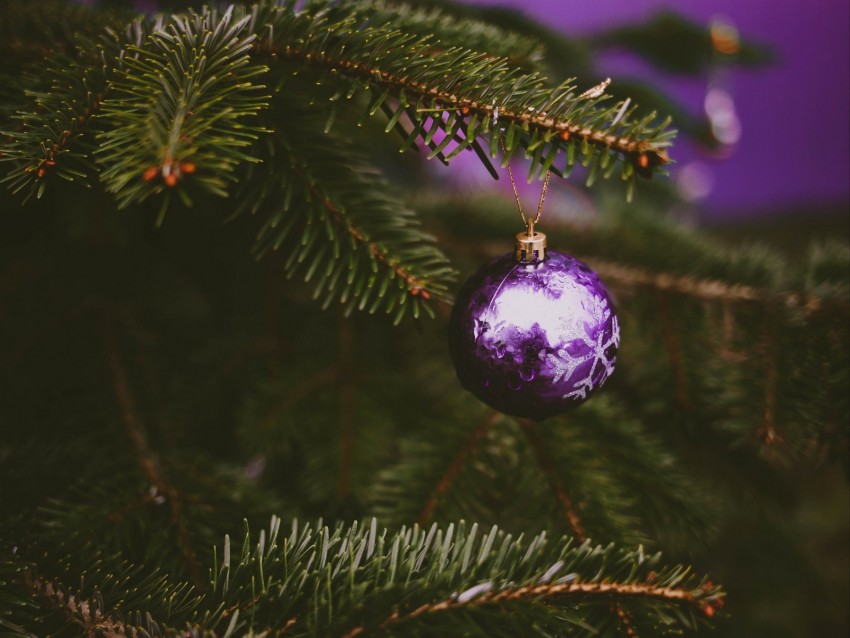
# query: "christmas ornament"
[[534, 332]]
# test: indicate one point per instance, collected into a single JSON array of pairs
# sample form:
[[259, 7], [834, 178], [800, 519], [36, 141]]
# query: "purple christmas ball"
[[533, 339]]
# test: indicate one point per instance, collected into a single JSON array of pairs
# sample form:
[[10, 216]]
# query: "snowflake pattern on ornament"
[[534, 340], [565, 364]]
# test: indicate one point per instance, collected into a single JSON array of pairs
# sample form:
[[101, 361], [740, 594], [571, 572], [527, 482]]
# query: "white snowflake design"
[[565, 364]]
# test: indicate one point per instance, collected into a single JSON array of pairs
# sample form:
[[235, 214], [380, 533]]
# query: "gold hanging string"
[[529, 224]]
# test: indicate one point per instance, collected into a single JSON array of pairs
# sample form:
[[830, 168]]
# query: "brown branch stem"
[[535, 592], [67, 136], [414, 285], [674, 351], [347, 366], [706, 289], [82, 612], [458, 462], [653, 155], [146, 458], [547, 466], [628, 276]]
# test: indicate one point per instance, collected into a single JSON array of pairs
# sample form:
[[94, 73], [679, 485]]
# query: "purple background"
[[794, 150]]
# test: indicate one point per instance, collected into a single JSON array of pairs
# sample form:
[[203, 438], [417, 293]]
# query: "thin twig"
[[628, 276], [536, 592], [475, 437], [76, 126], [82, 612], [707, 289], [547, 590], [414, 285], [145, 456], [347, 366], [674, 351], [653, 155], [547, 466]]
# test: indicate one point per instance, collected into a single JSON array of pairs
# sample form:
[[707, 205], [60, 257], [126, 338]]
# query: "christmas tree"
[[228, 403]]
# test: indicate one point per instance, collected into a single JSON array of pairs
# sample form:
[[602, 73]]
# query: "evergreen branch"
[[674, 352], [146, 458], [460, 459], [362, 245], [667, 505], [541, 592], [630, 276], [456, 89], [179, 108], [549, 471], [413, 284], [353, 581], [39, 147], [175, 102], [33, 32], [54, 134], [108, 600], [443, 25], [87, 614]]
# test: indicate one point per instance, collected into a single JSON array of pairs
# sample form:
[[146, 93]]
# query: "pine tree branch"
[[340, 224], [643, 154], [175, 96], [181, 107], [54, 135], [39, 148], [674, 351], [145, 456], [529, 428], [377, 582], [539, 592], [347, 420], [87, 614], [458, 462], [454, 89], [413, 284], [709, 289]]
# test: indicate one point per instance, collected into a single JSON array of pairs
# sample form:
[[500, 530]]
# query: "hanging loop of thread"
[[530, 246], [529, 223]]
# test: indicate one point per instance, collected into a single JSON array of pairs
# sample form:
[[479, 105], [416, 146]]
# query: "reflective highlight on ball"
[[534, 339]]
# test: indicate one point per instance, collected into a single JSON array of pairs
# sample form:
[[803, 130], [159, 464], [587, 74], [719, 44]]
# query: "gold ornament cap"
[[530, 246]]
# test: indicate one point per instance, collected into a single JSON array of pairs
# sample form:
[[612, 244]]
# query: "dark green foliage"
[[338, 222], [428, 85], [348, 581], [181, 106], [455, 572], [161, 380]]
